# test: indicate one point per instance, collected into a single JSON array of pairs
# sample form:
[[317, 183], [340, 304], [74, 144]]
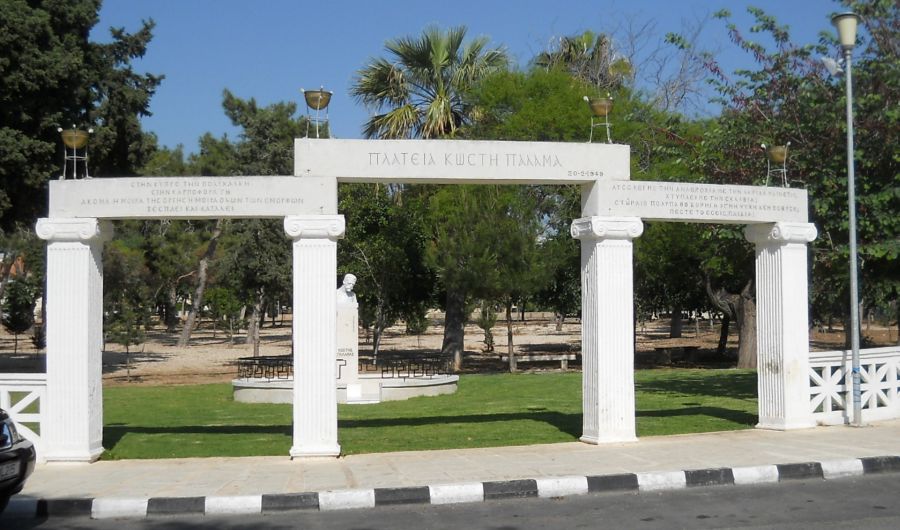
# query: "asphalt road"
[[870, 502]]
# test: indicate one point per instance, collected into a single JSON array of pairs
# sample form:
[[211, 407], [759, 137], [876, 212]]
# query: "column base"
[[780, 424], [332, 451], [72, 457], [608, 439]]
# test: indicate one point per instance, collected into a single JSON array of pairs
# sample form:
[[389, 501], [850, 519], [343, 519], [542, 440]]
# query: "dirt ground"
[[211, 357]]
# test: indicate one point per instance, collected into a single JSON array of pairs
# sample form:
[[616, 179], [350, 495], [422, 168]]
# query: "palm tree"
[[419, 89], [589, 57]]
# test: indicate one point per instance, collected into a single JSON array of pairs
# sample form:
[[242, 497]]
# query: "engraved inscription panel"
[[192, 197], [702, 202], [448, 161]]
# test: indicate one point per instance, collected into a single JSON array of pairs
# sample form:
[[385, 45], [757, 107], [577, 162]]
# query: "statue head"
[[349, 282]]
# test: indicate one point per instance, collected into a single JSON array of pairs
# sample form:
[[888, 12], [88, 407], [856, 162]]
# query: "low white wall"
[[831, 385], [21, 392]]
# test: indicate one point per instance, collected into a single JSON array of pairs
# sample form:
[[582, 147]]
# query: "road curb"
[[111, 507]]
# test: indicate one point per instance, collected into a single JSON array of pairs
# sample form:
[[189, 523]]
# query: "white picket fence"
[[23, 397], [831, 390]]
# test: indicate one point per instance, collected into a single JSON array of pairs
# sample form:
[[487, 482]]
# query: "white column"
[[315, 388], [782, 323], [607, 326], [73, 431]]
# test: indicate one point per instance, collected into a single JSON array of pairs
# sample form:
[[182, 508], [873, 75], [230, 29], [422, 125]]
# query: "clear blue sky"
[[268, 49]]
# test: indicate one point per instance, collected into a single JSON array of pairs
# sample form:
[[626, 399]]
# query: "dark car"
[[16, 459]]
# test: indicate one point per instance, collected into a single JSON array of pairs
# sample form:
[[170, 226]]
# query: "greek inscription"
[[705, 201]]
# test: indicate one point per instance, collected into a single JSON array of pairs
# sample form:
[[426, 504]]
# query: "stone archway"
[[612, 211]]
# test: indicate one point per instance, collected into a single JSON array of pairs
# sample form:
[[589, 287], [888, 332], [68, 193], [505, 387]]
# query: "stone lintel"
[[460, 161]]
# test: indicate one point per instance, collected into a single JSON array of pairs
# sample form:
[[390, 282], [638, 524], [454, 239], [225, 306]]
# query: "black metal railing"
[[397, 366], [387, 365], [266, 367]]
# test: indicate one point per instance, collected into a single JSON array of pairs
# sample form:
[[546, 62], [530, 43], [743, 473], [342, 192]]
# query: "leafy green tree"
[[545, 104], [384, 247], [668, 275], [420, 91], [460, 252], [516, 223], [128, 303], [420, 88], [224, 308], [790, 97], [170, 246], [541, 105], [487, 319], [24, 256], [257, 254], [256, 263], [18, 309], [482, 246], [166, 162], [52, 76], [125, 325]]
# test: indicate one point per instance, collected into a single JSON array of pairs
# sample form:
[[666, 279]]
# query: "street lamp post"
[[846, 24]]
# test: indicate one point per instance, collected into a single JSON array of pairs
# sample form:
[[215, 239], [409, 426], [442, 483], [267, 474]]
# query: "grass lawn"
[[488, 410]]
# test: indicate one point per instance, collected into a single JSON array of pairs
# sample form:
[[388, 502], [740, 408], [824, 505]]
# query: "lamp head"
[[317, 99], [846, 24]]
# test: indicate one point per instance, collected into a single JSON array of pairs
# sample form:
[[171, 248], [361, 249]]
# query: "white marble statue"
[[345, 294]]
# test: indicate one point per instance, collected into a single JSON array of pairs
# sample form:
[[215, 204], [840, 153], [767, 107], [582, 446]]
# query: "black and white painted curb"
[[106, 508]]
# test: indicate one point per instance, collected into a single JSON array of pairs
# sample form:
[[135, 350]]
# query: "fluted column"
[[314, 330], [73, 430], [607, 326], [782, 323]]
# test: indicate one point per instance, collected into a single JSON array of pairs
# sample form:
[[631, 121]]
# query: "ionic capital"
[[314, 226], [780, 233], [607, 228], [78, 229]]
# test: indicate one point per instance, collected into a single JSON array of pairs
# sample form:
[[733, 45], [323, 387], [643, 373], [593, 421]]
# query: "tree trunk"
[[170, 309], [379, 327], [742, 309], [722, 347], [454, 327], [747, 329], [256, 317], [201, 285], [677, 323], [509, 337]]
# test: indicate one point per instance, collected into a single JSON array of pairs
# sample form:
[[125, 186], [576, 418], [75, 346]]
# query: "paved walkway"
[[224, 477]]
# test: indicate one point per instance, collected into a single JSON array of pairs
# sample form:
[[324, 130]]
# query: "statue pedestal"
[[348, 350]]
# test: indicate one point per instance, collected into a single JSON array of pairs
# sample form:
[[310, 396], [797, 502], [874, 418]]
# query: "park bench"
[[666, 354], [563, 358]]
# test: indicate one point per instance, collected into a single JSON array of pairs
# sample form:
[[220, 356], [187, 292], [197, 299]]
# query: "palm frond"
[[397, 123]]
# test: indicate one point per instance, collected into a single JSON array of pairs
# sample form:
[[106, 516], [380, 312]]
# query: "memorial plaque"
[[347, 325], [677, 201], [460, 161], [192, 197]]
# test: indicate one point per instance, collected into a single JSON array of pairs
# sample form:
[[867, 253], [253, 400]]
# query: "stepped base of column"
[[310, 451]]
